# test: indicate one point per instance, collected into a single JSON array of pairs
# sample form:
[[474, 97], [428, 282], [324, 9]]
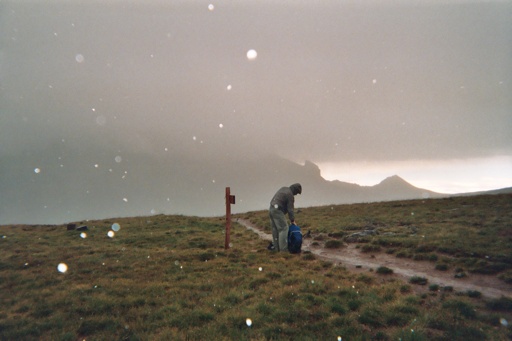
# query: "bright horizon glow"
[[442, 176]]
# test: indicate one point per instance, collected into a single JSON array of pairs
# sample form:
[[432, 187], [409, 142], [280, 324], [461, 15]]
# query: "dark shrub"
[[460, 307], [441, 267], [500, 304], [381, 336], [420, 257], [402, 254], [365, 279], [448, 288], [336, 234], [354, 304], [371, 317], [384, 270], [506, 276], [370, 248], [255, 284], [438, 323], [400, 315], [418, 280], [91, 326], [433, 287], [489, 268], [432, 257], [405, 289], [206, 256], [425, 248], [465, 333], [333, 244], [338, 308], [308, 256], [474, 293], [274, 275]]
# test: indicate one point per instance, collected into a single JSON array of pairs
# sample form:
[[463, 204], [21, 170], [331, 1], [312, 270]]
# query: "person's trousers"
[[279, 228]]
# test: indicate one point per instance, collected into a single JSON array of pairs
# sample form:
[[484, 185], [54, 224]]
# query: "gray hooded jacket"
[[285, 201]]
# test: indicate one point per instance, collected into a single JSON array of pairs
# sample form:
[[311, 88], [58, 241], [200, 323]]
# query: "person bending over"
[[281, 204]]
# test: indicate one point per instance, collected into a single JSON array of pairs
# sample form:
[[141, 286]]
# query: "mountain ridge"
[[103, 183]]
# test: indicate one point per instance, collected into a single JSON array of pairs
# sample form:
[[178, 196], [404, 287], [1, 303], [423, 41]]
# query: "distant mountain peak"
[[394, 182], [312, 167], [309, 164], [393, 179]]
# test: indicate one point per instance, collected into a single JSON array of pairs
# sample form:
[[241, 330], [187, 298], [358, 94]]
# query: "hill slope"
[[59, 185]]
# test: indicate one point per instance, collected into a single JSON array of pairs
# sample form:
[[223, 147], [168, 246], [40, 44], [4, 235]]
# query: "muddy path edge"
[[355, 261]]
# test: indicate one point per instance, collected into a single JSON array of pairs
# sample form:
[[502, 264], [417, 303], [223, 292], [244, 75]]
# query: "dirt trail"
[[355, 261]]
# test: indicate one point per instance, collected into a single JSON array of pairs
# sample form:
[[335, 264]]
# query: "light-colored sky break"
[[365, 89]]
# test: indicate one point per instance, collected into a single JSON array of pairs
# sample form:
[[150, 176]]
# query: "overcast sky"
[[365, 89]]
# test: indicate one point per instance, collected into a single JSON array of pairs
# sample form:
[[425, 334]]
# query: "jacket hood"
[[296, 189]]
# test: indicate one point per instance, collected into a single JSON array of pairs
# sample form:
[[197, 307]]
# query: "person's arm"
[[291, 213]]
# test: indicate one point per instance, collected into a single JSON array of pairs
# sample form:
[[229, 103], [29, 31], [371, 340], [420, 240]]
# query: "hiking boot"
[[271, 247]]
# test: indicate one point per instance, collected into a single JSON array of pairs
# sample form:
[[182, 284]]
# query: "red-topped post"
[[230, 199]]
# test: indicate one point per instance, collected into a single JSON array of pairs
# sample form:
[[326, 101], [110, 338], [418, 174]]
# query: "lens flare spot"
[[252, 54], [37, 170], [62, 267], [248, 322], [101, 120], [211, 7], [116, 227], [79, 58], [83, 235], [111, 234]]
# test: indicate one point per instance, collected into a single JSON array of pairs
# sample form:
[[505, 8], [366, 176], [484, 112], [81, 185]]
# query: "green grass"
[[170, 278], [470, 233]]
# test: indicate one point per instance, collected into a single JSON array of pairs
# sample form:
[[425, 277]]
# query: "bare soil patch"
[[356, 261]]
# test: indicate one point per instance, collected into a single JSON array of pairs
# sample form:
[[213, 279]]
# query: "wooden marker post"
[[230, 199]]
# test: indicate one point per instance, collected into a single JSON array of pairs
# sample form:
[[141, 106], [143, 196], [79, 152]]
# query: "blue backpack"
[[294, 239]]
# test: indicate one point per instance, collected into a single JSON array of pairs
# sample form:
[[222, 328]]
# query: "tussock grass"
[[384, 270], [469, 233], [169, 278]]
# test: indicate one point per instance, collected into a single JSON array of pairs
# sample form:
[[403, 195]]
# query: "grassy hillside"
[[460, 234], [169, 277]]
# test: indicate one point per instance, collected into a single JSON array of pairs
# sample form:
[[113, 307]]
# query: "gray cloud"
[[331, 82]]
